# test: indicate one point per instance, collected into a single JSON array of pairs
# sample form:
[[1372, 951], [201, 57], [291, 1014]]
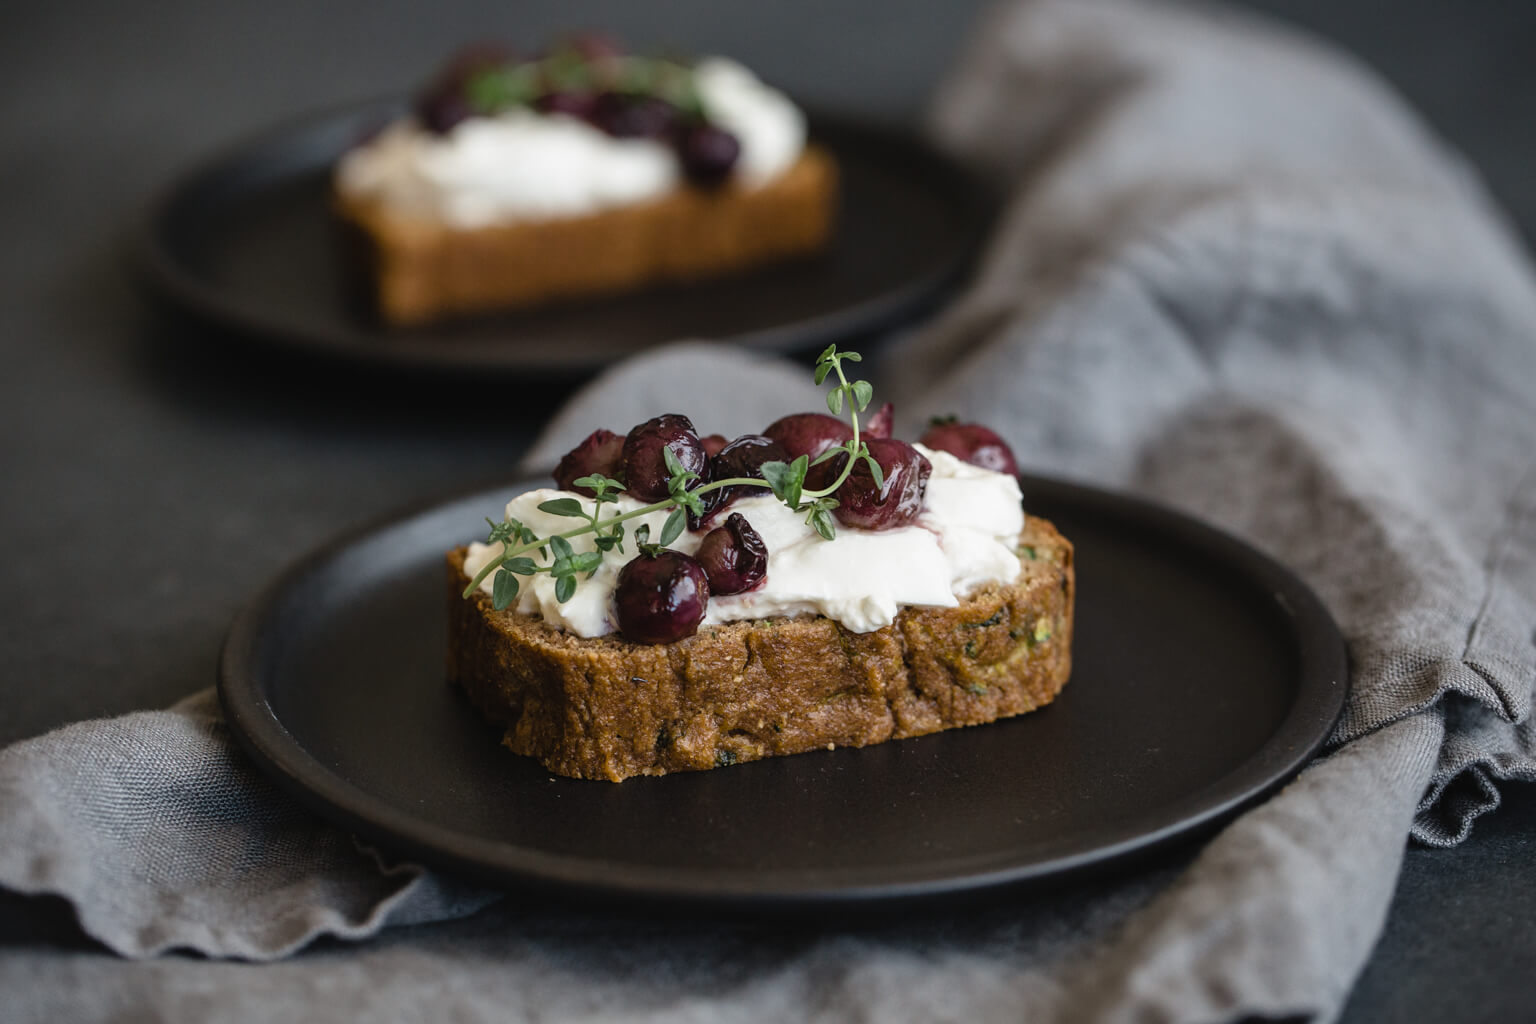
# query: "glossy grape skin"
[[743, 457], [899, 499], [708, 154], [602, 452], [734, 557], [645, 467], [808, 433], [660, 598], [973, 443]]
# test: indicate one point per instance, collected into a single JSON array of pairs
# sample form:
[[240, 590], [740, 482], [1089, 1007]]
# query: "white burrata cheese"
[[963, 539]]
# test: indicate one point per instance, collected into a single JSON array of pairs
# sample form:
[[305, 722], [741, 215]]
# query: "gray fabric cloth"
[[1235, 276]]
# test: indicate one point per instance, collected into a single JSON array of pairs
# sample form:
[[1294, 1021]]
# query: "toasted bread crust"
[[605, 708], [419, 270]]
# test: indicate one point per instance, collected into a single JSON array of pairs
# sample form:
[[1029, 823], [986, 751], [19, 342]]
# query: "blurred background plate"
[[247, 241]]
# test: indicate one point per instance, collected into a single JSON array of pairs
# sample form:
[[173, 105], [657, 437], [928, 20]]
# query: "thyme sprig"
[[685, 494]]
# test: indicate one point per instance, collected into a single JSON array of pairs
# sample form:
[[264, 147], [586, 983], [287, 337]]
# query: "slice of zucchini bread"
[[606, 708]]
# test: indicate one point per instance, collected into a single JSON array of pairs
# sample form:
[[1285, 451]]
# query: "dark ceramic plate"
[[247, 242], [1205, 676]]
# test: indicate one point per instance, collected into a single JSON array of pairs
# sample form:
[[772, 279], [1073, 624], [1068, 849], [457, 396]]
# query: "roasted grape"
[[707, 153], [628, 116], [445, 103], [880, 423], [898, 499], [602, 452], [808, 433], [974, 443], [743, 457], [660, 598], [733, 556], [645, 467]]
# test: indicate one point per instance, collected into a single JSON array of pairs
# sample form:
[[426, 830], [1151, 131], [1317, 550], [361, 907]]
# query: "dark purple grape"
[[880, 423], [445, 102], [734, 557], [713, 443], [809, 433], [580, 105], [897, 501], [707, 154], [443, 110], [626, 116], [645, 467], [660, 598], [743, 457], [602, 452], [976, 444]]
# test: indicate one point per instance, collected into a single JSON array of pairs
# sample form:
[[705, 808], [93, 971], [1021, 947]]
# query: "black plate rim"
[[162, 276], [1322, 668]]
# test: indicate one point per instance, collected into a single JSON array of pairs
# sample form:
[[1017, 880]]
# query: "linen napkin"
[[1234, 275]]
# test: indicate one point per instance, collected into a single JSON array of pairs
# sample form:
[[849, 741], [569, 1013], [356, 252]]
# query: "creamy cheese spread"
[[523, 165], [963, 539]]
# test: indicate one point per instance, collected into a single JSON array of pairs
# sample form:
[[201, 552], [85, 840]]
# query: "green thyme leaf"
[[875, 470], [823, 523], [835, 401], [503, 589], [599, 484], [587, 561], [822, 369], [852, 357], [561, 546], [521, 566], [827, 353], [501, 532], [565, 588], [643, 533], [673, 528], [563, 507], [863, 391], [674, 467], [786, 479]]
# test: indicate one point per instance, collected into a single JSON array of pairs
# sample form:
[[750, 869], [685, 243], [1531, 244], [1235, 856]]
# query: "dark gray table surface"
[[156, 474]]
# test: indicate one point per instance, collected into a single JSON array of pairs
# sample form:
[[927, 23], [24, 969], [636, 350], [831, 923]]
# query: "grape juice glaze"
[[522, 164], [962, 539]]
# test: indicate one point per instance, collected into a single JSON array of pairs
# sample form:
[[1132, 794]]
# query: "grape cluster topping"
[[971, 442], [835, 472], [602, 453], [742, 458], [734, 556], [646, 473], [591, 78], [660, 597], [893, 500]]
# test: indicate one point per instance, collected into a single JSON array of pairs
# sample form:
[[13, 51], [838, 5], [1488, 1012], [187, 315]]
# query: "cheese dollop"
[[524, 165], [963, 539]]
